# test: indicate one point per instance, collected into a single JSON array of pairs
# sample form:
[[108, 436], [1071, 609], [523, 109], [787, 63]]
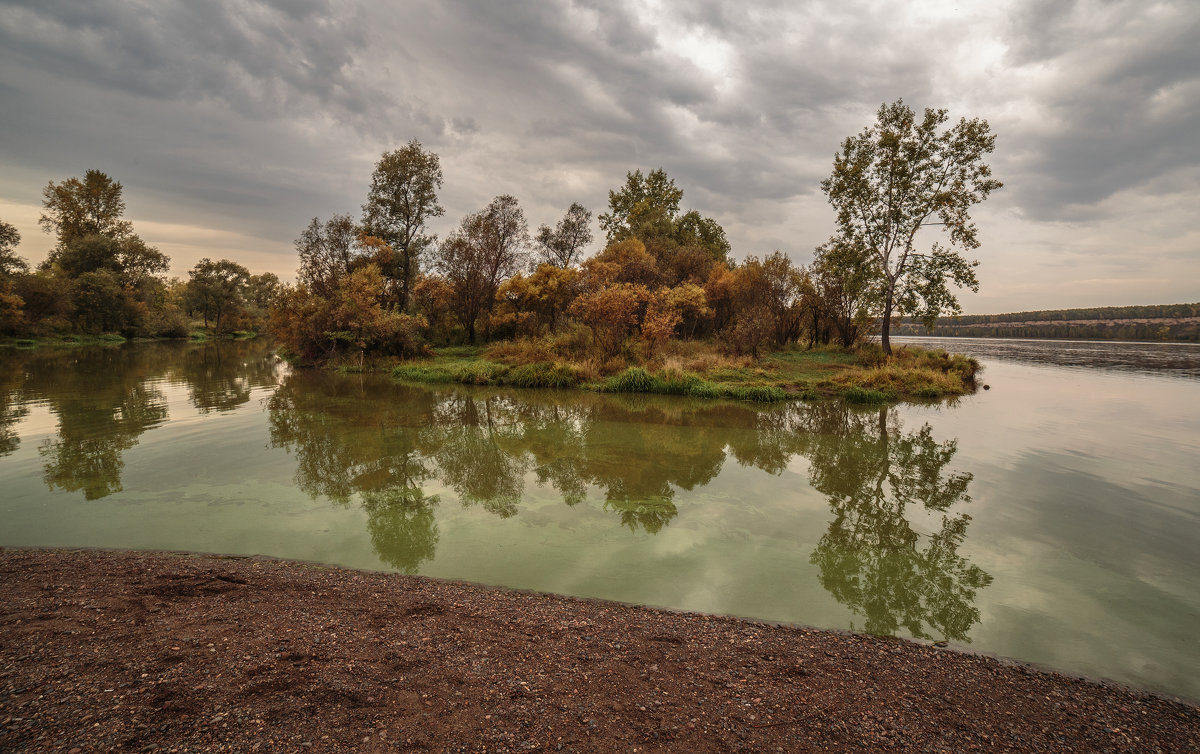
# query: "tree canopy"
[[899, 176], [647, 208], [402, 198], [562, 245], [77, 208]]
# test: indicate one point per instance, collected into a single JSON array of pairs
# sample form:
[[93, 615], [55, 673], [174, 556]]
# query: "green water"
[[1054, 518]]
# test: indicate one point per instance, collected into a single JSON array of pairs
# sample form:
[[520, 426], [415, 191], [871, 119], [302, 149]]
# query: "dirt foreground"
[[104, 651]]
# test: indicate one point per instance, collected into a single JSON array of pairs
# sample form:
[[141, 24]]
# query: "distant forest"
[[1165, 322]]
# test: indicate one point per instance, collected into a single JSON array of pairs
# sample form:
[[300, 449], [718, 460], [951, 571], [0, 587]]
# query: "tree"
[[262, 290], [11, 305], [76, 208], [488, 247], [562, 245], [403, 196], [216, 289], [646, 208], [10, 263], [843, 288], [326, 252], [100, 302], [897, 177]]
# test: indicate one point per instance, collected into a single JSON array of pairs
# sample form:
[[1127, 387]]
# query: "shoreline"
[[193, 651]]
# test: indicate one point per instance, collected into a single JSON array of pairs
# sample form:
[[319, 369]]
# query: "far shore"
[[107, 650]]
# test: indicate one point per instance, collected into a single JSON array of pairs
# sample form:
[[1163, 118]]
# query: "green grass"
[[860, 375], [480, 372]]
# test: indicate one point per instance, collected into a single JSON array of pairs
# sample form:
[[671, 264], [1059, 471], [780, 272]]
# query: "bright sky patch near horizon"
[[231, 123]]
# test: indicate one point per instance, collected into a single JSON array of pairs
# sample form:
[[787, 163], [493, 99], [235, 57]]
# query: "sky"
[[232, 123]]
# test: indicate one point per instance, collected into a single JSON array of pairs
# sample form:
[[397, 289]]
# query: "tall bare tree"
[[488, 247], [562, 245]]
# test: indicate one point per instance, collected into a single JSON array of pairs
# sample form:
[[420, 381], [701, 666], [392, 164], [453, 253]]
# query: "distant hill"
[[1165, 322]]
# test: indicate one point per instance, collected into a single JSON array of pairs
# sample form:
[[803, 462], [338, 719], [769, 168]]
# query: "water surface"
[[1053, 518]]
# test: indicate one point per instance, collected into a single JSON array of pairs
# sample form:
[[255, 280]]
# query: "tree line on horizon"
[[1164, 322], [383, 285]]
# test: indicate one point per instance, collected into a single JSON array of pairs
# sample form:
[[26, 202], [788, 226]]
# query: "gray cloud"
[[253, 116]]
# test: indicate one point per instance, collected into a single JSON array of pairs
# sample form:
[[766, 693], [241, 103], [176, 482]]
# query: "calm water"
[[1053, 518]]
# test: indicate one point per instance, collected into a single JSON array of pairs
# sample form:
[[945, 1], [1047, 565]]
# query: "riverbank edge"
[[138, 605], [915, 374], [112, 339]]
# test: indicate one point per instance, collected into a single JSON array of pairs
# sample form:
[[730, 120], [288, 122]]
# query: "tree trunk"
[[886, 341]]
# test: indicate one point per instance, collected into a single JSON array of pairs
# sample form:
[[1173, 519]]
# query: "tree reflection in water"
[[871, 558], [12, 405], [385, 442], [105, 398], [890, 552]]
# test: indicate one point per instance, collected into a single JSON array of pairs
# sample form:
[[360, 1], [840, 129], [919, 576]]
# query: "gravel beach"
[[130, 651]]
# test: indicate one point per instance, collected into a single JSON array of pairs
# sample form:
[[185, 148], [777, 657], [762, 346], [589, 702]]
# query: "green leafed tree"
[[402, 198], [646, 208], [76, 208], [216, 290], [902, 175], [10, 263]]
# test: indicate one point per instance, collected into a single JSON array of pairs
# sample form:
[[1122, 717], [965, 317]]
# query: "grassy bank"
[[110, 339], [860, 375]]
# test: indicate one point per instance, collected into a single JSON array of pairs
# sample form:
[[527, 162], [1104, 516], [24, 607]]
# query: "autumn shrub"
[[612, 313], [572, 342], [748, 333]]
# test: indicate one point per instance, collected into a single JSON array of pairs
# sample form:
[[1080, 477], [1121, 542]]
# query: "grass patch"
[[866, 395], [860, 375], [632, 380], [545, 374]]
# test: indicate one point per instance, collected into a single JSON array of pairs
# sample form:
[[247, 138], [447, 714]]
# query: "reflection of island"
[[871, 558], [379, 444], [383, 442]]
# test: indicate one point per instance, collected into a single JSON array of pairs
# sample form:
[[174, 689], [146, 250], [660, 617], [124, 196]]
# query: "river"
[[1054, 517]]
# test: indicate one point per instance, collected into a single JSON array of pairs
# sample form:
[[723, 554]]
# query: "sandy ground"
[[117, 651]]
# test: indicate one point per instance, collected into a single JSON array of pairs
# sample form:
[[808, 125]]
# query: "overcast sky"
[[233, 123]]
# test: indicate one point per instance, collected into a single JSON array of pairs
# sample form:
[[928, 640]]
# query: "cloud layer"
[[231, 123]]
